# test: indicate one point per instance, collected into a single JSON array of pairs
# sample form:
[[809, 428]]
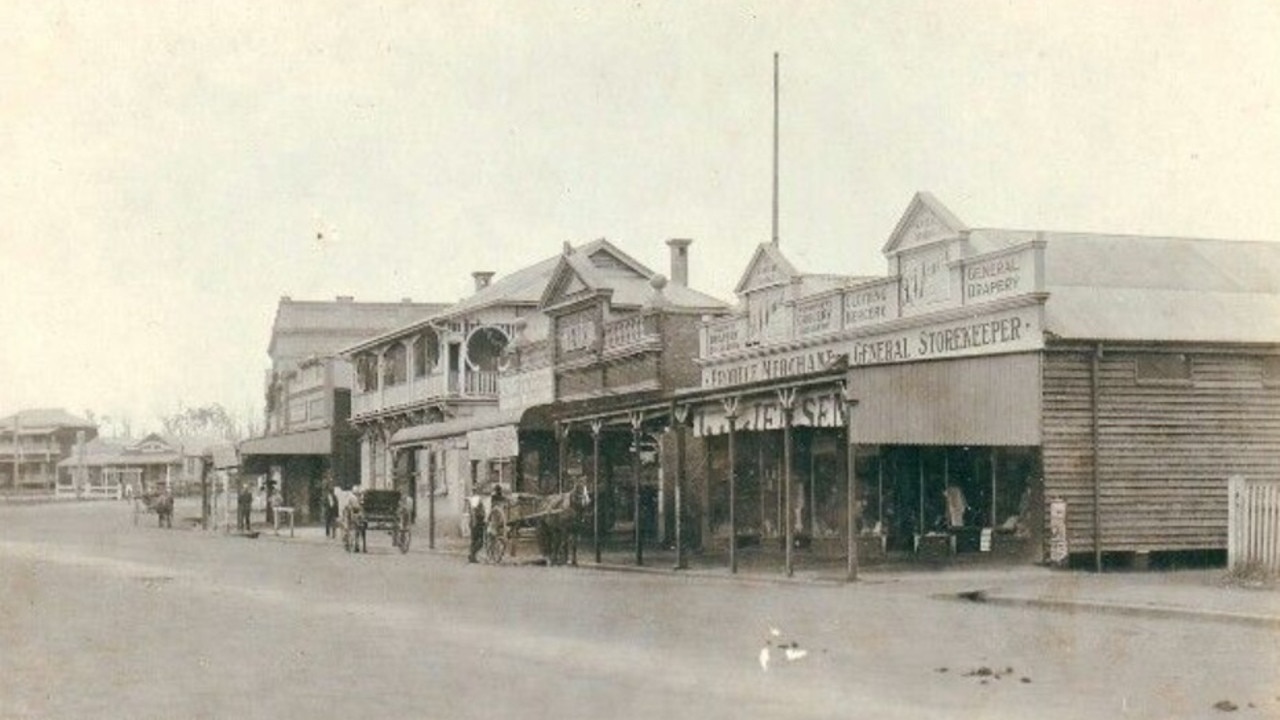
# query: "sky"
[[169, 170]]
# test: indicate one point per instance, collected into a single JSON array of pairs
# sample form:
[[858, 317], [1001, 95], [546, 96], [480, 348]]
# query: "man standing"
[[330, 508], [244, 506], [477, 525]]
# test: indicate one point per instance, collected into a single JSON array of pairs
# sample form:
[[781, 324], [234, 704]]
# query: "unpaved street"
[[99, 618]]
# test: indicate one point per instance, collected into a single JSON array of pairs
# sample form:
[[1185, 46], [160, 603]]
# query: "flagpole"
[[775, 148]]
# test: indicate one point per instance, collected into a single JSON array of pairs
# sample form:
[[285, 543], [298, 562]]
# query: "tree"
[[206, 420]]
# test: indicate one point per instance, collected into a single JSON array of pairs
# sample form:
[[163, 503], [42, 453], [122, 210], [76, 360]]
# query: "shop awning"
[[225, 457], [310, 442], [421, 434]]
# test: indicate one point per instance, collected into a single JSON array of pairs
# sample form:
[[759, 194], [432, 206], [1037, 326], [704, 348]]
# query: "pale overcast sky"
[[165, 168]]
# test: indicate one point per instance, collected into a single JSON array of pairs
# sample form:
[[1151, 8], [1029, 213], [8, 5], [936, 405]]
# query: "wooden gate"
[[1253, 524]]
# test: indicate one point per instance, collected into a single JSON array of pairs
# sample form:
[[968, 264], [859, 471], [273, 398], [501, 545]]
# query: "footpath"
[[1202, 594]]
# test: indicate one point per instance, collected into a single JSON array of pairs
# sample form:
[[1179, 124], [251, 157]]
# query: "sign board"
[[1017, 330], [493, 443], [815, 409], [1058, 550], [999, 277], [517, 391]]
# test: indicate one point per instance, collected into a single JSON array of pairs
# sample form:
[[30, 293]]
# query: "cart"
[[552, 515], [376, 510]]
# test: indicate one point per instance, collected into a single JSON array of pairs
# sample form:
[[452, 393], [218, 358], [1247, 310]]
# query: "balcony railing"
[[482, 383], [425, 389], [630, 331]]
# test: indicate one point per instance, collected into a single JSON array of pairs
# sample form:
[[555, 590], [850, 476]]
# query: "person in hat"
[[477, 526]]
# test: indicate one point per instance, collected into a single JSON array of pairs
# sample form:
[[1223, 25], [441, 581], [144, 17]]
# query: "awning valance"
[[421, 434], [310, 442]]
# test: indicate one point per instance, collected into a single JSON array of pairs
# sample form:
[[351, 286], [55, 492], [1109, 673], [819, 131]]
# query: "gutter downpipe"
[[1094, 389]]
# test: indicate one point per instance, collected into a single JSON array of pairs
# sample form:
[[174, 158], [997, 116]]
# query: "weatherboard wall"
[[1165, 448]]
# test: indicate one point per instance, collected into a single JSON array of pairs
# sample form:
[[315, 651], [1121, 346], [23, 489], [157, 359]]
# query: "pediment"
[[768, 267], [925, 221], [153, 443], [566, 282]]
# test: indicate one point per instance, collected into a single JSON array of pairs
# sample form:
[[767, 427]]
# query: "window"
[[426, 354], [395, 365], [1163, 368], [1271, 370], [367, 372]]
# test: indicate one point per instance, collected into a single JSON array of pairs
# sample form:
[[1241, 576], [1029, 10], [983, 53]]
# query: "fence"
[[1253, 524]]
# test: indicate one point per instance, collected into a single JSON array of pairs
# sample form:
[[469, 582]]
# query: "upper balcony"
[[631, 334], [392, 397]]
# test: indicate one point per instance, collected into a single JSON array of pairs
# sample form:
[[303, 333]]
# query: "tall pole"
[[733, 494], [431, 496], [775, 148], [787, 399], [851, 471], [637, 425], [562, 459], [596, 427], [680, 413]]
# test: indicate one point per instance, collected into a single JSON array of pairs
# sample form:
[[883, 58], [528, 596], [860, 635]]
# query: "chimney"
[[680, 261], [482, 278], [345, 298]]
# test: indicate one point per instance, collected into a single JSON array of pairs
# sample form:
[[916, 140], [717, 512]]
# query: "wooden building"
[[33, 442], [307, 434], [461, 401], [618, 336], [998, 393]]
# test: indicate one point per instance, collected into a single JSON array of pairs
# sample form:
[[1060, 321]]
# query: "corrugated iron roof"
[[323, 327], [45, 419], [1115, 287]]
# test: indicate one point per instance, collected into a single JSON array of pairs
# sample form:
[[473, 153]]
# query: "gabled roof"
[[596, 267], [768, 266], [303, 328], [602, 267], [522, 288], [45, 419], [104, 453], [606, 266], [924, 221]]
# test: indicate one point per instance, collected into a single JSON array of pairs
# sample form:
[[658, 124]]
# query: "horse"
[[563, 515], [350, 520], [163, 505]]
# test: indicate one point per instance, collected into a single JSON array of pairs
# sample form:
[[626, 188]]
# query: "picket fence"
[[1253, 524]]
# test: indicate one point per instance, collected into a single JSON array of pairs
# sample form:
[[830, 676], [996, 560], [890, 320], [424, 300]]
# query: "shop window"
[[1271, 371], [1163, 369]]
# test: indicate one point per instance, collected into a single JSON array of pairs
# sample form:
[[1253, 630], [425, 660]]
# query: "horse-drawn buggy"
[[555, 520], [159, 502], [385, 510]]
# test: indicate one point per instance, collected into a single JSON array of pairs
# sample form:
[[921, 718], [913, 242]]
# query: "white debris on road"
[[791, 651]]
